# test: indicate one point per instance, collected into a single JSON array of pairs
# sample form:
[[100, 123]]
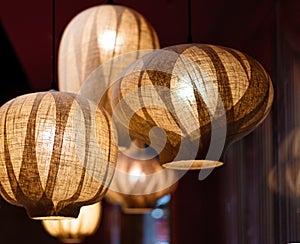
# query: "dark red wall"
[[200, 207], [243, 25]]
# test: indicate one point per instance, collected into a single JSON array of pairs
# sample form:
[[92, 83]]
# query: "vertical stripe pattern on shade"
[[97, 35], [192, 92], [57, 153]]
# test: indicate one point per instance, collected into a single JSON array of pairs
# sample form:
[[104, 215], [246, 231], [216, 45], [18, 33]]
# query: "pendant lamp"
[[140, 180], [75, 230], [284, 178], [190, 101], [97, 35], [57, 153]]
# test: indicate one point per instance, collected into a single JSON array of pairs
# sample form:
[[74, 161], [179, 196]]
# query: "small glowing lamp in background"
[[75, 230], [139, 180]]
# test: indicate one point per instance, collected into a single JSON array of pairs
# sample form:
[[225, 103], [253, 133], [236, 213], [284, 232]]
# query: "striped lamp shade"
[[139, 180], [75, 230], [95, 36], [57, 153], [190, 101]]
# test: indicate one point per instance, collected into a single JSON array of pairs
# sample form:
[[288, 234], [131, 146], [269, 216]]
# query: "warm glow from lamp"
[[97, 35], [136, 174], [57, 153], [139, 180], [203, 97], [75, 230], [107, 40]]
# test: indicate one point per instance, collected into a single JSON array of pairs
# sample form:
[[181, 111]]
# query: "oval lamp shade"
[[75, 230], [97, 35], [284, 178], [57, 153], [139, 180], [203, 97]]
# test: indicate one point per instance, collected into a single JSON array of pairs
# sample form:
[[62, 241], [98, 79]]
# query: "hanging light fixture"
[[97, 35], [75, 230], [139, 180], [189, 101], [57, 153], [96, 47]]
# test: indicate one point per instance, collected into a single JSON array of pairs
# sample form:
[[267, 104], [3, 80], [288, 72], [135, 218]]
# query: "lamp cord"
[[189, 39], [53, 84]]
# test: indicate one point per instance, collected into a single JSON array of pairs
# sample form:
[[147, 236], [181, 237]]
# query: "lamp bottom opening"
[[192, 164]]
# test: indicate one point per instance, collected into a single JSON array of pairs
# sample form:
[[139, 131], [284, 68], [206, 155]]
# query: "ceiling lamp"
[[75, 230], [57, 153], [97, 35], [189, 101], [139, 180], [284, 178]]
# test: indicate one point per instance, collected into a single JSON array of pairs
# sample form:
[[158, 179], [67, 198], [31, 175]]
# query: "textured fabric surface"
[[184, 90], [57, 153], [95, 36], [140, 180]]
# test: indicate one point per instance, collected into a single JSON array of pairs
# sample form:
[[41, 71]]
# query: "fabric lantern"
[[75, 230], [97, 35], [190, 101], [57, 153], [139, 180], [284, 178]]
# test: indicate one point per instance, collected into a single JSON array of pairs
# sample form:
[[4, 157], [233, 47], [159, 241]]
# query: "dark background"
[[233, 205]]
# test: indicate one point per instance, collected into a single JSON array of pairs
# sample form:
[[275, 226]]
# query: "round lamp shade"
[[95, 36], [57, 153], [190, 101], [139, 180], [75, 230]]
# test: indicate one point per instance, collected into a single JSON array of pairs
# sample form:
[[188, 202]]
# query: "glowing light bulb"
[[107, 40], [136, 174]]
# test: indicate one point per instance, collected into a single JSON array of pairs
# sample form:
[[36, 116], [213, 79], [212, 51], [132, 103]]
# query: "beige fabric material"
[[57, 153], [97, 35], [139, 180], [183, 89]]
